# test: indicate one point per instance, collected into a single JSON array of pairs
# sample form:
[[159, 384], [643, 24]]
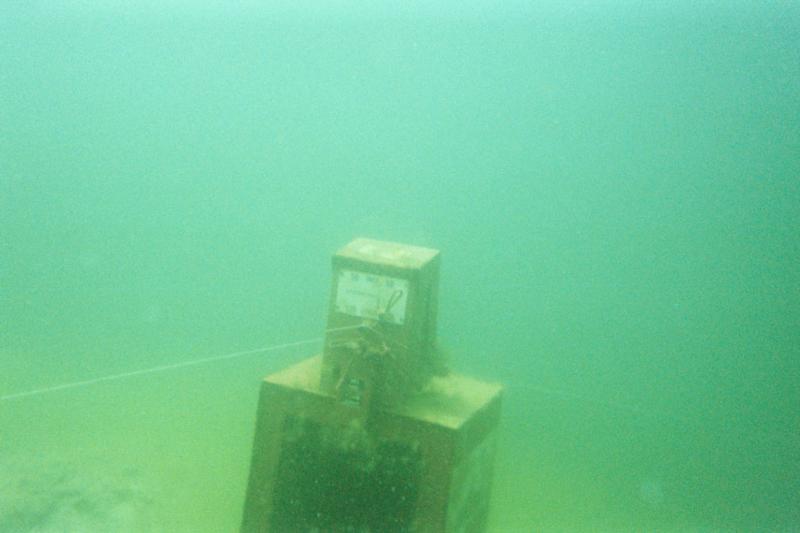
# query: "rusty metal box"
[[392, 290], [319, 465]]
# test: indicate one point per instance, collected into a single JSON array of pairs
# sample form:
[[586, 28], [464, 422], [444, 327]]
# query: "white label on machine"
[[371, 296]]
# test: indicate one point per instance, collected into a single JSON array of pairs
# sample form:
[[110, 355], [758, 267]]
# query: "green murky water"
[[614, 187]]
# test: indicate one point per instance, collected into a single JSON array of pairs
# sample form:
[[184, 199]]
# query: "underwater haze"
[[614, 186]]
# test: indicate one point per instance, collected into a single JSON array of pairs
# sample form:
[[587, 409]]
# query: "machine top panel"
[[388, 253]]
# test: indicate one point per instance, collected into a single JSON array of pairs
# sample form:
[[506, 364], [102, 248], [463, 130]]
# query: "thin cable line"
[[163, 368]]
